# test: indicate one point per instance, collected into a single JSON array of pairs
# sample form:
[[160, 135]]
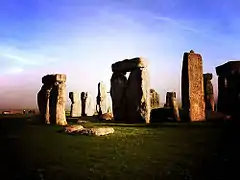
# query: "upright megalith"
[[171, 102], [84, 96], [102, 102], [52, 99], [154, 99], [75, 106], [43, 97], [169, 97], [208, 91], [229, 88], [89, 106], [192, 86], [117, 93], [131, 98]]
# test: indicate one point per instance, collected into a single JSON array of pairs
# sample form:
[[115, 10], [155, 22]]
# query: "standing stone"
[[58, 100], [102, 106], [175, 108], [89, 108], [84, 96], [138, 96], [75, 106], [117, 92], [43, 97], [208, 91], [169, 97], [192, 86], [229, 88], [154, 99], [131, 98], [109, 103], [52, 99]]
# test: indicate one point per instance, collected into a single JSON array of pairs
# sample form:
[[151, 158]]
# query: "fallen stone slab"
[[73, 128], [81, 122], [96, 131], [106, 117], [101, 131]]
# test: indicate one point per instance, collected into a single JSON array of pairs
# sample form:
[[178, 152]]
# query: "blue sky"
[[82, 38]]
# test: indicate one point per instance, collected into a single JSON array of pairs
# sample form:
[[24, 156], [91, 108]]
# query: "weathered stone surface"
[[154, 99], [58, 102], [52, 99], [101, 131], [43, 97], [192, 86], [106, 117], [175, 108], [102, 103], [138, 96], [208, 91], [75, 106], [84, 96], [169, 97], [52, 78], [72, 128], [229, 88], [96, 131], [129, 65], [90, 107], [117, 92]]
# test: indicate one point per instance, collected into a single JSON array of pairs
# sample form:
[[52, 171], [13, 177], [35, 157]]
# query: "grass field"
[[158, 151]]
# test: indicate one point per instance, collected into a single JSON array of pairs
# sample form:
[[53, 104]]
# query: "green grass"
[[161, 151]]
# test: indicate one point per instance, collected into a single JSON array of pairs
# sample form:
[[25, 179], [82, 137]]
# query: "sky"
[[82, 38]]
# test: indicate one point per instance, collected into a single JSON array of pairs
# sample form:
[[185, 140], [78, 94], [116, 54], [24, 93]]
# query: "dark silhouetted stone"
[[208, 91], [128, 65], [138, 96], [169, 96], [229, 88], [117, 92]]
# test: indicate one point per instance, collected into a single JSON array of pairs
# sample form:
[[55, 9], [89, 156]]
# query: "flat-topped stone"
[[51, 78], [228, 68], [129, 64], [51, 99]]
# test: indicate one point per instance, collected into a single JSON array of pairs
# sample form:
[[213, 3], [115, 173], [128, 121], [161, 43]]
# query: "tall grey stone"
[[52, 99], [89, 108], [154, 99], [138, 96], [131, 98], [75, 105]]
